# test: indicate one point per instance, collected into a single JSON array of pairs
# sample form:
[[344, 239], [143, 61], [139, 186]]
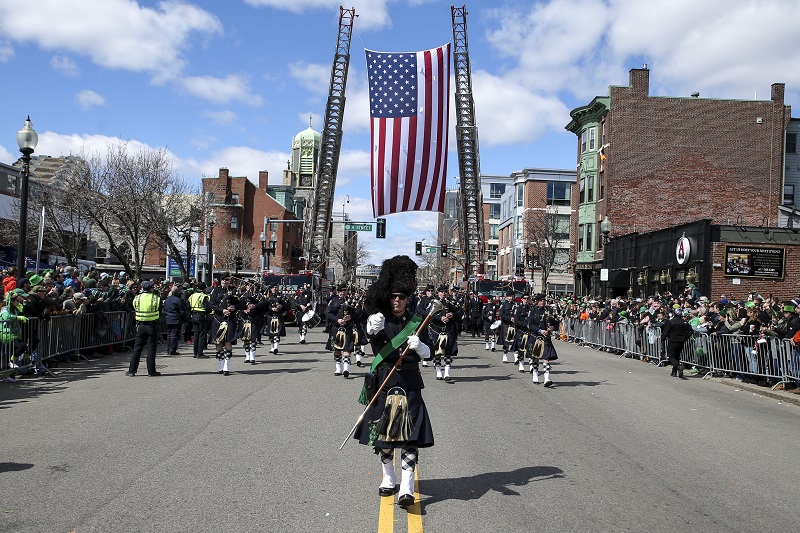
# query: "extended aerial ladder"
[[316, 236], [471, 200]]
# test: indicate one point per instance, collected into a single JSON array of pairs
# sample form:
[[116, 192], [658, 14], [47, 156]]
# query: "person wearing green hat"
[[12, 320], [791, 330]]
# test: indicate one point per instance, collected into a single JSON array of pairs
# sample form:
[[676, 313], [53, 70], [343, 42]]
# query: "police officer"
[[676, 332], [200, 308], [147, 306]]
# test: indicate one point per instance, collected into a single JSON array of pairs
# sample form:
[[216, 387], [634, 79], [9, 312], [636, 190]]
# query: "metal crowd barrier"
[[30, 345], [767, 358]]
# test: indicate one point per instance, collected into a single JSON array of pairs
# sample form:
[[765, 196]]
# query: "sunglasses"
[[399, 296]]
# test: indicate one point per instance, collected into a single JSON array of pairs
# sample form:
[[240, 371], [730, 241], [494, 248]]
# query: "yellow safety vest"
[[146, 306], [197, 302]]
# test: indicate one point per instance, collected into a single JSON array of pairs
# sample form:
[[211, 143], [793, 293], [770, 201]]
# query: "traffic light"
[[418, 247], [444, 250], [380, 232], [239, 263]]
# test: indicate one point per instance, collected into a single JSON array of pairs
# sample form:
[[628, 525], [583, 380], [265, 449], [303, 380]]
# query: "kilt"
[[451, 345], [230, 335], [349, 345], [421, 430]]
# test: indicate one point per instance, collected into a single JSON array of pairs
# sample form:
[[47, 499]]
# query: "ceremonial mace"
[[435, 305]]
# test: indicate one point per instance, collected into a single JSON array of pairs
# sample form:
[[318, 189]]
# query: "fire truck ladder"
[[471, 219], [317, 224]]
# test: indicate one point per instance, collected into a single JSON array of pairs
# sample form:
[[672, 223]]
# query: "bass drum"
[[495, 325], [311, 318]]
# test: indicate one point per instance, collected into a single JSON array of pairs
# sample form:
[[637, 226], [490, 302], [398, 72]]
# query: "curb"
[[786, 397]]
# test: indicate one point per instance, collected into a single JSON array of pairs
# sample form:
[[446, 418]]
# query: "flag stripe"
[[409, 95]]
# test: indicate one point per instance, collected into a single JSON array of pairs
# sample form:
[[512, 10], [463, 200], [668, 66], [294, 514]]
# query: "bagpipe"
[[511, 330], [349, 309]]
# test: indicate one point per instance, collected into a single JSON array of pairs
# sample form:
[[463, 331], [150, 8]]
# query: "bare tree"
[[546, 231], [349, 255], [228, 250], [122, 194]]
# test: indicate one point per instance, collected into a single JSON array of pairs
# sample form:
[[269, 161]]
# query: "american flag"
[[408, 98]]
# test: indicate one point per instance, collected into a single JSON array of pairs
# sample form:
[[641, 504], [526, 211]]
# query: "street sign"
[[603, 274], [352, 226], [431, 249]]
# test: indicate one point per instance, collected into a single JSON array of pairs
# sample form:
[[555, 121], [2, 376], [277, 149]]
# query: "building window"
[[561, 227], [234, 221], [234, 198], [791, 143], [590, 189], [494, 210], [589, 240], [559, 193], [592, 139], [493, 231], [582, 188], [601, 182], [496, 190], [788, 195], [584, 140], [603, 133], [451, 208], [520, 195], [580, 237]]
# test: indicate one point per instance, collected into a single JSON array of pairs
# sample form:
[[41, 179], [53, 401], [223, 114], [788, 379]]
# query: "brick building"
[[648, 163], [240, 209]]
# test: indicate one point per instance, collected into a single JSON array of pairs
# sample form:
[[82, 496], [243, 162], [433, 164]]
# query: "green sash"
[[388, 348]]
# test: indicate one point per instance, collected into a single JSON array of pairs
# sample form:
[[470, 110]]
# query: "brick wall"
[[689, 158]]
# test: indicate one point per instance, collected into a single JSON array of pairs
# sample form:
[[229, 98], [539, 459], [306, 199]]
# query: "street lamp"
[[27, 139], [212, 220], [605, 229], [273, 244]]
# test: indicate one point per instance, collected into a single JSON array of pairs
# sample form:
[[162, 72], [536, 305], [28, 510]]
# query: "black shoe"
[[405, 500], [680, 373], [492, 349], [219, 371], [202, 356], [346, 373], [130, 374], [226, 373], [548, 383], [382, 491], [358, 363], [154, 374], [252, 362], [674, 373], [173, 353]]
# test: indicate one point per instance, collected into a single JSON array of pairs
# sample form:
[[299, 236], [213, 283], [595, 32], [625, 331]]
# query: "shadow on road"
[[474, 487], [14, 467]]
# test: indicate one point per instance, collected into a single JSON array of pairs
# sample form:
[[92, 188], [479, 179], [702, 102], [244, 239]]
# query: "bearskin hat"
[[398, 274]]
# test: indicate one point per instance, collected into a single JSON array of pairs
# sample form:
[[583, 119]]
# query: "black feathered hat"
[[398, 274]]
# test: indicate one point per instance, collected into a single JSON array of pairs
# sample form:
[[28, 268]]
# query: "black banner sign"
[[753, 262]]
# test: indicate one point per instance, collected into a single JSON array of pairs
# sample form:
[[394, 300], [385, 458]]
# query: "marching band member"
[[474, 309], [224, 330], [276, 314], [443, 331], [302, 304], [399, 418], [542, 322], [506, 314], [342, 316], [521, 336], [490, 316]]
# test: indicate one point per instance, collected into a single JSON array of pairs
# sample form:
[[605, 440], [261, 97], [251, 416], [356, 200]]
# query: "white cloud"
[[314, 77], [222, 118], [5, 155], [241, 161], [87, 99], [371, 14], [314, 118], [233, 87], [6, 51], [65, 65], [117, 34], [354, 167]]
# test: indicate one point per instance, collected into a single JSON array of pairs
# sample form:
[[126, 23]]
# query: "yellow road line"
[[388, 507], [415, 512]]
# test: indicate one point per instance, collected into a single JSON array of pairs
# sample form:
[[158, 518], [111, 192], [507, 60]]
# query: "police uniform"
[[147, 308], [200, 308]]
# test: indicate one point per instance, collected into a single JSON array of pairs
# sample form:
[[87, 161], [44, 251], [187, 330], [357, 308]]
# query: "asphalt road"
[[616, 445]]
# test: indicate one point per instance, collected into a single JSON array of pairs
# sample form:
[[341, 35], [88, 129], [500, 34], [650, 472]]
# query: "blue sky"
[[228, 84]]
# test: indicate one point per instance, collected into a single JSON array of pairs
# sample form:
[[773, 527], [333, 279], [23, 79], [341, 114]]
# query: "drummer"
[[302, 305], [491, 322]]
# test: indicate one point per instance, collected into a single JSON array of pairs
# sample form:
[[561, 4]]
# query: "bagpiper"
[[443, 331], [507, 329], [224, 328], [276, 310], [343, 316], [542, 322]]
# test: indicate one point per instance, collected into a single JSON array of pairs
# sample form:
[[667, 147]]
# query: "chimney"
[[263, 180], [640, 80]]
